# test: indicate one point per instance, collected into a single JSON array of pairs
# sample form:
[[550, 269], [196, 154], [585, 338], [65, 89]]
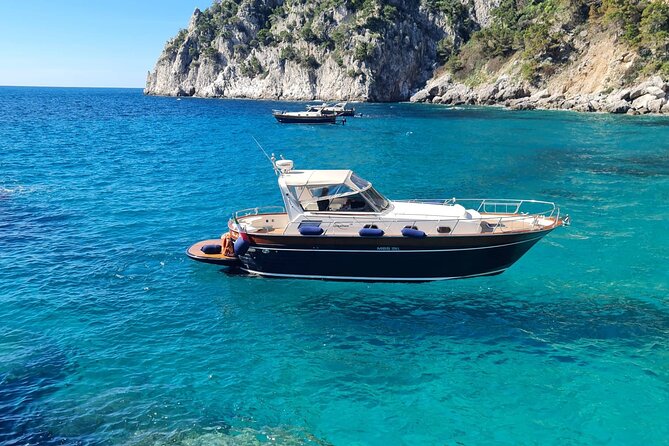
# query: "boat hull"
[[323, 119], [385, 258]]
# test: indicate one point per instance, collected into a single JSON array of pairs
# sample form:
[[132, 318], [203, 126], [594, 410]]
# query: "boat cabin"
[[329, 191], [341, 203]]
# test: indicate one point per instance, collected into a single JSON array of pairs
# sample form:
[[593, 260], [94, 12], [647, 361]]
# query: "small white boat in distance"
[[338, 109]]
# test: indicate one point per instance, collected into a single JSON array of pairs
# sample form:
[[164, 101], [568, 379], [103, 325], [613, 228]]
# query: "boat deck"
[[350, 225], [195, 252]]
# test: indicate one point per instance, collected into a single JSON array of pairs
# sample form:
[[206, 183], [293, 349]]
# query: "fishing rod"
[[271, 159]]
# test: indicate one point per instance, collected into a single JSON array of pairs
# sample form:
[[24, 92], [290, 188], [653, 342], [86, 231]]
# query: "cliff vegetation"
[[570, 52], [543, 35]]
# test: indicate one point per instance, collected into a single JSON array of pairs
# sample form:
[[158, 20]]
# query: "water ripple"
[[112, 336]]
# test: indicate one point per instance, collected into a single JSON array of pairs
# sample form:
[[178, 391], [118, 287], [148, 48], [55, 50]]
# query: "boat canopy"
[[333, 191], [316, 177]]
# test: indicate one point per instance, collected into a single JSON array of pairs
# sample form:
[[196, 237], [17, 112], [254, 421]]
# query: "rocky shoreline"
[[648, 97], [377, 52]]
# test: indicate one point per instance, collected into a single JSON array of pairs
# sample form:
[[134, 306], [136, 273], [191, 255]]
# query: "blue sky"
[[88, 43]]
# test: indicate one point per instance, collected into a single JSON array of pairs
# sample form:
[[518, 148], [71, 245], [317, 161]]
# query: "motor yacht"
[[304, 117], [335, 225]]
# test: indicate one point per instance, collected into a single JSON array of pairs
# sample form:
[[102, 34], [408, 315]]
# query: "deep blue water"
[[110, 335]]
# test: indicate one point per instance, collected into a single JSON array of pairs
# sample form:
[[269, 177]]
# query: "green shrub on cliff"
[[363, 51], [252, 67], [645, 27], [389, 13], [535, 30], [654, 29], [174, 44], [310, 62], [265, 37], [288, 53], [457, 12], [308, 34]]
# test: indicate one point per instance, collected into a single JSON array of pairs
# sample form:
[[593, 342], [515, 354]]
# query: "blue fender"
[[412, 232], [311, 230], [241, 246], [371, 232]]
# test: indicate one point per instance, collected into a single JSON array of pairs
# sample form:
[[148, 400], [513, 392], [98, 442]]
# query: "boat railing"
[[500, 216], [504, 215], [260, 210], [495, 205]]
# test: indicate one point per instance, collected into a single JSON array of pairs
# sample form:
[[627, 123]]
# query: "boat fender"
[[241, 246], [311, 230], [211, 249], [412, 231], [371, 231]]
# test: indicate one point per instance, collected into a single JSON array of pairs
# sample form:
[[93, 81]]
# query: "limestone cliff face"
[[595, 78], [585, 55], [330, 49], [582, 55]]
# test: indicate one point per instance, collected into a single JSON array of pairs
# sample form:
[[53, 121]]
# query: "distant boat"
[[306, 117], [338, 109]]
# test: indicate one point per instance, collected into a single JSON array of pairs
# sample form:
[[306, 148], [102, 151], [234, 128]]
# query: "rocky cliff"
[[588, 55], [609, 56], [328, 49]]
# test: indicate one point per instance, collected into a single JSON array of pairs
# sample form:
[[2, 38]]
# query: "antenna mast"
[[271, 160]]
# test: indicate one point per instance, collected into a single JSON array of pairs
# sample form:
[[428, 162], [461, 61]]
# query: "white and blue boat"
[[334, 225]]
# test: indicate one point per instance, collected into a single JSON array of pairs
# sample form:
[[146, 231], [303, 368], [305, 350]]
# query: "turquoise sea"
[[109, 334]]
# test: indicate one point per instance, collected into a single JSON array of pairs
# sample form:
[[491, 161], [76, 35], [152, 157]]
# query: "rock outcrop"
[[650, 96], [592, 80], [561, 56], [272, 49]]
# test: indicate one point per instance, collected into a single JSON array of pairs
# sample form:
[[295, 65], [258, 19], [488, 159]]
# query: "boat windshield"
[[359, 196], [379, 201], [360, 182]]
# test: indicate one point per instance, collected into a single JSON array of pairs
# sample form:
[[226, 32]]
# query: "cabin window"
[[379, 201], [360, 182], [376, 199], [350, 203], [330, 190], [340, 197]]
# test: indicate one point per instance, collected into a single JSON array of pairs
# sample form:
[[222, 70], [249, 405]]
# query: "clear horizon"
[[78, 43]]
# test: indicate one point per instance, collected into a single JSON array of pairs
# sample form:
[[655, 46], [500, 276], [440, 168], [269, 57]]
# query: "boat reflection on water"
[[334, 225]]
